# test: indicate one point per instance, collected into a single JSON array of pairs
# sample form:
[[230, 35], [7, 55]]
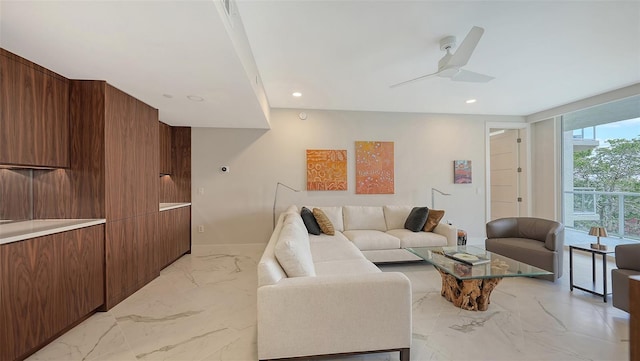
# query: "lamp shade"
[[598, 231]]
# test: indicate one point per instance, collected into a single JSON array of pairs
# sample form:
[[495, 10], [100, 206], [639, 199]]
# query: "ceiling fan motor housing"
[[447, 43]]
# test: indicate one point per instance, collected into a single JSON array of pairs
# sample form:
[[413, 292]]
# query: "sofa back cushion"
[[292, 249], [395, 216], [335, 216], [364, 217]]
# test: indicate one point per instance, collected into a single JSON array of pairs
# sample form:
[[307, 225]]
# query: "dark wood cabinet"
[[130, 260], [146, 159], [120, 168], [175, 234], [34, 116], [176, 188], [48, 284], [165, 141]]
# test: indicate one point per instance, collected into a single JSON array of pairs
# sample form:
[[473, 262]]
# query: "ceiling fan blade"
[[469, 76], [464, 51], [414, 79]]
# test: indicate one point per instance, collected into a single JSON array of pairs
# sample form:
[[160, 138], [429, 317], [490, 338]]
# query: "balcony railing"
[[618, 212]]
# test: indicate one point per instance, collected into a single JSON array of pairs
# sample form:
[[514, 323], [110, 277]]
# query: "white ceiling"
[[145, 48], [339, 54]]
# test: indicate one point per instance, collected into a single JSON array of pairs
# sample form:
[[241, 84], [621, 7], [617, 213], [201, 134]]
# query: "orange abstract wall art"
[[374, 168], [326, 170]]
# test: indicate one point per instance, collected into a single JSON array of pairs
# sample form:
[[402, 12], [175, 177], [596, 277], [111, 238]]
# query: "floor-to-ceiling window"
[[601, 168]]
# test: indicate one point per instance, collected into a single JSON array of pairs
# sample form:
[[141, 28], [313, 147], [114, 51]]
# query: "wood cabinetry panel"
[[87, 118], [177, 186], [175, 234], [120, 166], [146, 248], [130, 262], [34, 117], [120, 267], [165, 148], [51, 282], [77, 192], [29, 272], [146, 159], [15, 187], [183, 226], [82, 262]]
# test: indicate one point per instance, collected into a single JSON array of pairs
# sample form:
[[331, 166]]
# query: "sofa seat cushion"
[[345, 267], [366, 239], [391, 256], [364, 217], [293, 251], [338, 236], [418, 239], [334, 250]]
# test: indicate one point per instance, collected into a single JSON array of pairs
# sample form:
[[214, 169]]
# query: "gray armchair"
[[535, 241], [628, 263]]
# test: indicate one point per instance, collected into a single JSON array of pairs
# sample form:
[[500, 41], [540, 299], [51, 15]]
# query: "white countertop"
[[168, 206], [21, 230]]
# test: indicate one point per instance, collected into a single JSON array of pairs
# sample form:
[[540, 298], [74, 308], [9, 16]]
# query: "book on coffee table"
[[467, 258]]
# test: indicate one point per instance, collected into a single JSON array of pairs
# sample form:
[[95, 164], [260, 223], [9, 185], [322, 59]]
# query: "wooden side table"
[[603, 253]]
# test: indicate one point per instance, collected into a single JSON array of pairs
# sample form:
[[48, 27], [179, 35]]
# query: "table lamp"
[[598, 232]]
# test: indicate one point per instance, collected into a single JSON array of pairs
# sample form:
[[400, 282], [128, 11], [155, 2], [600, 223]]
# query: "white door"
[[506, 199]]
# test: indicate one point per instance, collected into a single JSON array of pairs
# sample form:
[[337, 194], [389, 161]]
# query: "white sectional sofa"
[[378, 231], [319, 294]]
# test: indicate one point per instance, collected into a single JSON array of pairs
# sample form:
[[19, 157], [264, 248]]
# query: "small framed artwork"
[[461, 171]]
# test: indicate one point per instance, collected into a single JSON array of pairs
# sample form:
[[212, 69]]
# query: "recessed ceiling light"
[[195, 98], [470, 101], [297, 94]]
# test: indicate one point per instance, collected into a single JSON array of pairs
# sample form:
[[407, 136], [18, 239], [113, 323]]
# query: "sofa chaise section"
[[347, 306]]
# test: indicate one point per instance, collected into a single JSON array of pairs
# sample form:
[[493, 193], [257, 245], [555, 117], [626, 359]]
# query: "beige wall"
[[236, 207]]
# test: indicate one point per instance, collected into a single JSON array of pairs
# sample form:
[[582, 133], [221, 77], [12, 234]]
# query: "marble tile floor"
[[202, 307]]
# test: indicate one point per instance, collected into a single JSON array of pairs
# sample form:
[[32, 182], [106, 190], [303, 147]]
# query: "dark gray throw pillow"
[[416, 219], [310, 221]]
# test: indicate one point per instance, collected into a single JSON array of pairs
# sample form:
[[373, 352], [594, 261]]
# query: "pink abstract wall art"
[[374, 168]]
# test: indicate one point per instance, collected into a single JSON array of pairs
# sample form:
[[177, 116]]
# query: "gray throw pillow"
[[310, 221], [416, 219]]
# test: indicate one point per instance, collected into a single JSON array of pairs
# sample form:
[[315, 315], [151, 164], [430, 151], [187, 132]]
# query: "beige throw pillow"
[[323, 221], [433, 218]]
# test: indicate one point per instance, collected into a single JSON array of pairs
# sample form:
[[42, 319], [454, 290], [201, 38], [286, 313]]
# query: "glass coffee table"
[[467, 286]]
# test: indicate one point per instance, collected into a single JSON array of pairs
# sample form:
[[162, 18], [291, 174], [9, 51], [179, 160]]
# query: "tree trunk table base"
[[472, 295]]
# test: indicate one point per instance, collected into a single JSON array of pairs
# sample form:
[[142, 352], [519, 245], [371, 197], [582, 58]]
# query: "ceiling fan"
[[450, 65]]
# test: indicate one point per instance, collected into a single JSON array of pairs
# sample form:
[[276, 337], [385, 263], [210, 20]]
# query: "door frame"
[[487, 147]]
